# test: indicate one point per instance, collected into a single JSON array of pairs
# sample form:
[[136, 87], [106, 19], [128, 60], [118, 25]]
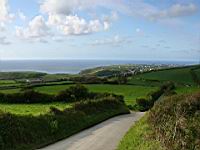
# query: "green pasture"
[[2, 82], [10, 91], [179, 75], [187, 90], [197, 71], [129, 92], [31, 109]]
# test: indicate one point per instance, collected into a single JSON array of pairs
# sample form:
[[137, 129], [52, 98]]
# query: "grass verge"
[[139, 137]]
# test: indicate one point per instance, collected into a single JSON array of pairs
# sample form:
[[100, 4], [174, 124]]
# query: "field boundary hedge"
[[144, 104], [71, 94], [194, 75], [31, 132], [176, 121]]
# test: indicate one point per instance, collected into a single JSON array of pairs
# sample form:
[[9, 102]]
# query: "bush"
[[143, 104], [80, 92], [176, 121], [165, 88], [28, 96], [95, 96], [99, 105], [73, 93], [31, 132], [89, 80]]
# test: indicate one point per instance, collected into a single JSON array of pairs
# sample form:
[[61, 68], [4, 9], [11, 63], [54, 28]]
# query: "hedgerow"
[[176, 121], [31, 132], [72, 94], [144, 104]]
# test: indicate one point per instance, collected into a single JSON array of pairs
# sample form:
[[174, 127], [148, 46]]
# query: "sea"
[[72, 66]]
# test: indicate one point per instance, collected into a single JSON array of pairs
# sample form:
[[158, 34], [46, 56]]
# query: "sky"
[[100, 29]]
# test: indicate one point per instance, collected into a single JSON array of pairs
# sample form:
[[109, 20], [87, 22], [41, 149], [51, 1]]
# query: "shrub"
[[28, 96], [73, 93], [176, 121], [80, 92], [89, 80], [95, 96], [31, 132], [146, 104], [55, 111], [143, 104], [99, 105]]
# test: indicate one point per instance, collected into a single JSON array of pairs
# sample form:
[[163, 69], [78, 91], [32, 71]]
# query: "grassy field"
[[186, 90], [129, 92], [10, 91], [197, 71], [180, 75], [142, 82], [138, 138], [2, 82], [31, 109], [20, 75], [141, 86]]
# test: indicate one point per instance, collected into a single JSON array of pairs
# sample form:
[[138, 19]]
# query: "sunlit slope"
[[179, 75]]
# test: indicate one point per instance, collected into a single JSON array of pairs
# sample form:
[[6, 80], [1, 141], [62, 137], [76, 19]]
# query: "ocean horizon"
[[73, 66]]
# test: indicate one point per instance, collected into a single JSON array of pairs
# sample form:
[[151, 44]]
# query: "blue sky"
[[100, 29]]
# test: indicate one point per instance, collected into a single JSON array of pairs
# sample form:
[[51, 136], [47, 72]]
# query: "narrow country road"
[[104, 136]]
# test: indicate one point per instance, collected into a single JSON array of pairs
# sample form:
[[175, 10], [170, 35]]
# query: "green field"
[[197, 71], [179, 75], [20, 75], [2, 82], [31, 109], [8, 83], [129, 92], [10, 91], [186, 90], [139, 86], [143, 82]]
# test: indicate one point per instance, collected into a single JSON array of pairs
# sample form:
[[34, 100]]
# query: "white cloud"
[[57, 6], [58, 38], [109, 19], [21, 15], [3, 41], [37, 30], [176, 10], [138, 30], [5, 16], [106, 25], [113, 41], [2, 27], [73, 25], [61, 16], [68, 7], [153, 13], [130, 7]]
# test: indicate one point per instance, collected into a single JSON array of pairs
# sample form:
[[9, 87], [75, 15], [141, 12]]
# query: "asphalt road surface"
[[104, 136]]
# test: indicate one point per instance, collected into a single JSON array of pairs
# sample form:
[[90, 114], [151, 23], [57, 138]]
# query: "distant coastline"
[[73, 66]]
